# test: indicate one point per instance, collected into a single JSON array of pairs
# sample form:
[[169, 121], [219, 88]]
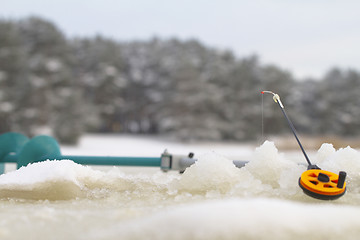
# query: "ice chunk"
[[210, 172], [54, 180], [267, 164], [324, 152]]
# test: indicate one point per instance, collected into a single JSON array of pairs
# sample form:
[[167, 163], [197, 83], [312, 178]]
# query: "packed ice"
[[212, 199]]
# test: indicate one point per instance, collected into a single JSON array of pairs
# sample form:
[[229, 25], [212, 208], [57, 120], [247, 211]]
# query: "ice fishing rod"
[[276, 98], [315, 182]]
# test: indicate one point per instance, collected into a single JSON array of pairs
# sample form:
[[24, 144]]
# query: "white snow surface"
[[212, 199]]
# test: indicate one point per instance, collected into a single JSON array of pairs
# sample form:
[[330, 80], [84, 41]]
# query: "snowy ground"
[[212, 199]]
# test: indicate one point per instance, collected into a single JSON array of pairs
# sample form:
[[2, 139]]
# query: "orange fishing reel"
[[315, 182], [323, 184]]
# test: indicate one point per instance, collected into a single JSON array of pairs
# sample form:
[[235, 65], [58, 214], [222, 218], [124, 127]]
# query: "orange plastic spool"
[[323, 184]]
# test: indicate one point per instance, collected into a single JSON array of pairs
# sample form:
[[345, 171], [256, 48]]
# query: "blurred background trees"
[[64, 87]]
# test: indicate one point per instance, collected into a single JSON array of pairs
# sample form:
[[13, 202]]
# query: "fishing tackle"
[[315, 182]]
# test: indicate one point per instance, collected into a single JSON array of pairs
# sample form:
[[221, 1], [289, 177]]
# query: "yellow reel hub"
[[323, 184]]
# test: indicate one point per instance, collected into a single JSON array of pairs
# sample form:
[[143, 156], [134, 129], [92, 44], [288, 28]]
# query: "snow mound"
[[268, 165], [53, 180], [64, 180], [211, 172]]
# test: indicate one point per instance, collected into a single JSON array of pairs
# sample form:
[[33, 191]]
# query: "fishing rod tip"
[[262, 92]]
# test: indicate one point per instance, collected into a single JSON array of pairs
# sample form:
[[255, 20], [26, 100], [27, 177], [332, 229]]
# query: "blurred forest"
[[64, 87]]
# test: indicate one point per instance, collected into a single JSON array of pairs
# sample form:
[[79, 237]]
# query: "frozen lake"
[[212, 199]]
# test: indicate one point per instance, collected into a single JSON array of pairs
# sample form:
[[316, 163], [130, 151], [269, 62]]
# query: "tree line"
[[184, 89]]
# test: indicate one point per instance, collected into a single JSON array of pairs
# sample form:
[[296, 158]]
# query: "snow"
[[267, 174], [212, 199], [211, 172], [44, 171], [241, 219]]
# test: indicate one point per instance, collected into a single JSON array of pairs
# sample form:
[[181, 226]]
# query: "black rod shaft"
[[294, 132]]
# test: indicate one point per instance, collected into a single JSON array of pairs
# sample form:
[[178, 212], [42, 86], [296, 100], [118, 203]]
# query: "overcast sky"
[[306, 37]]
